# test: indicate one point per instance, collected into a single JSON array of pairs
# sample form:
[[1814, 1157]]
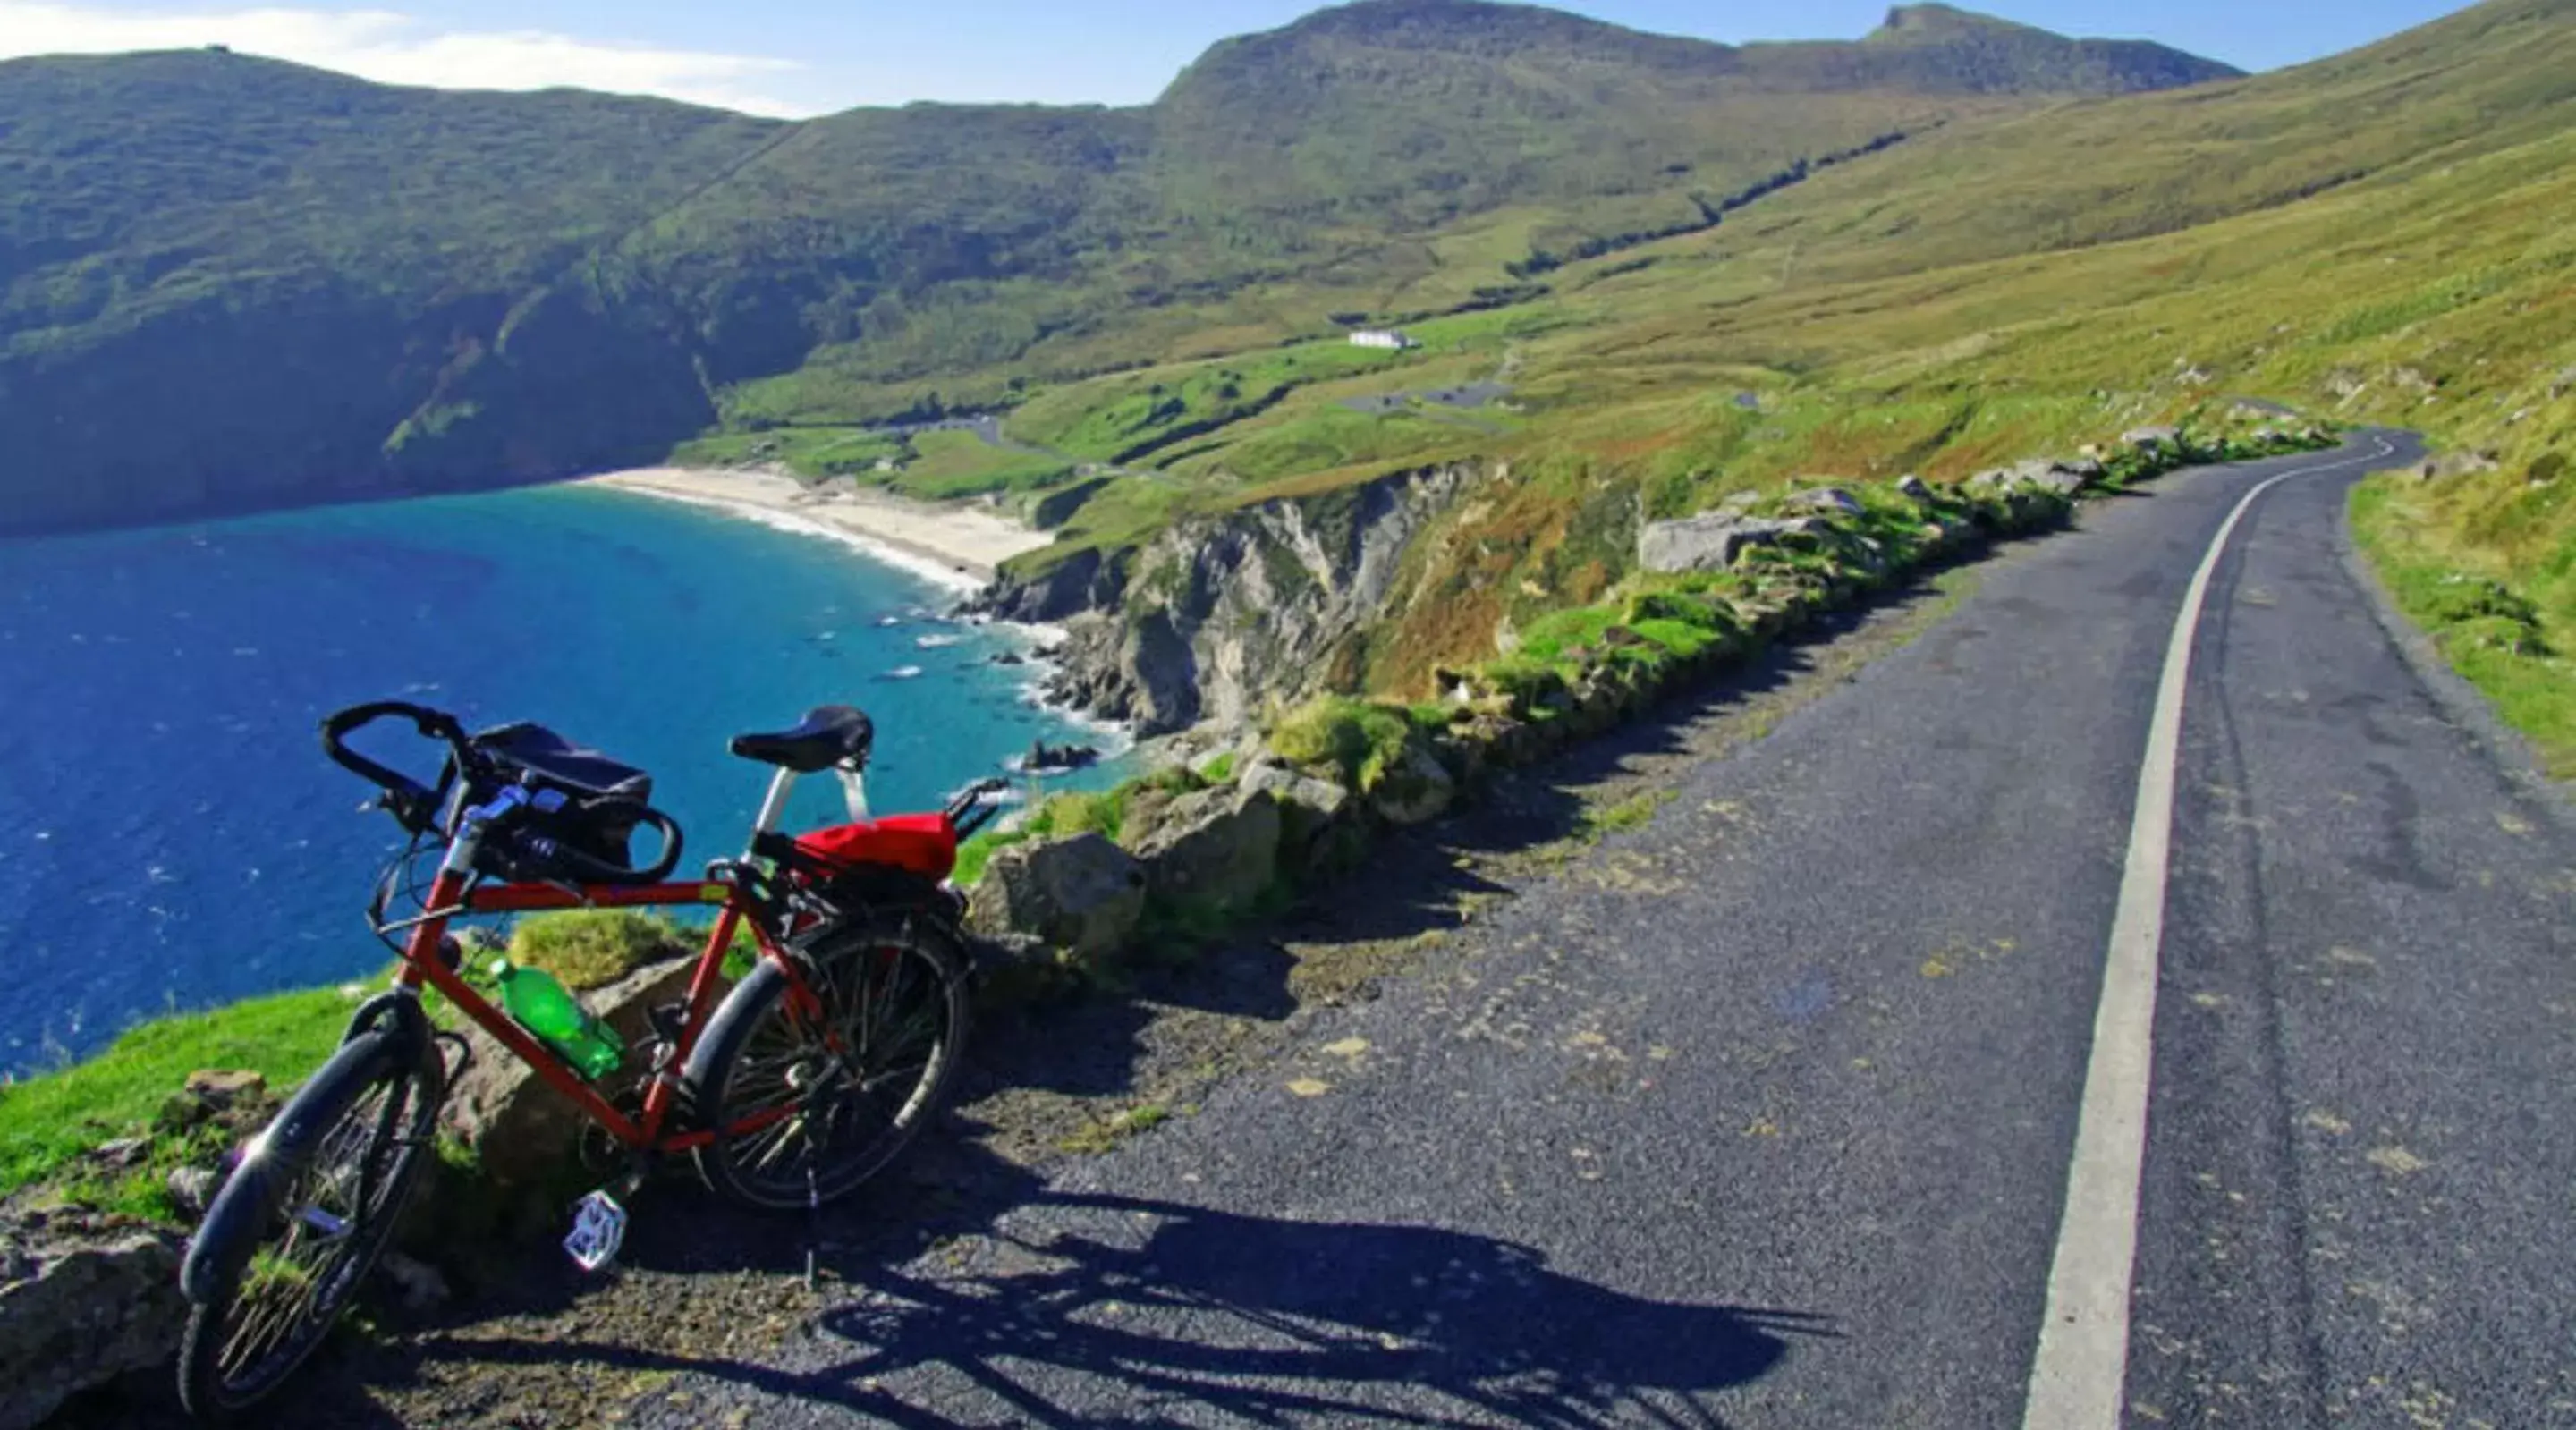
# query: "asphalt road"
[[1761, 1114]]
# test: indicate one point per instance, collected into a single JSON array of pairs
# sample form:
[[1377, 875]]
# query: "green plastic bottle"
[[543, 1007]]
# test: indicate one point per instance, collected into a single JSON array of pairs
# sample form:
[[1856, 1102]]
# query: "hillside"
[[1689, 269], [2369, 238], [1425, 110], [229, 282]]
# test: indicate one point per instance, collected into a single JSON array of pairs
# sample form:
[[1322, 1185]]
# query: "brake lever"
[[973, 812], [388, 803]]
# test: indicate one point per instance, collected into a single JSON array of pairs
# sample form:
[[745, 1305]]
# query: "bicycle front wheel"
[[821, 1097], [296, 1228]]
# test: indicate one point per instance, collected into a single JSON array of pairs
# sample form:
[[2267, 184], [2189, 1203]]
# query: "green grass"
[[1132, 417], [592, 948], [1176, 930], [48, 1120], [1554, 638], [1073, 812], [2500, 611], [1104, 1135], [1328, 437], [51, 1118], [1079, 812], [977, 852], [1359, 741], [1634, 812], [814, 453], [960, 464], [936, 465], [1682, 638]]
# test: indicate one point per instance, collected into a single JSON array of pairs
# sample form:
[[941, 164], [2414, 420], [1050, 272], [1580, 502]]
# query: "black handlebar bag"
[[599, 803]]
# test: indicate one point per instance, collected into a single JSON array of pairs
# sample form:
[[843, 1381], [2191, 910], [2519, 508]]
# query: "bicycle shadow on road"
[[1078, 1306], [1112, 1299]]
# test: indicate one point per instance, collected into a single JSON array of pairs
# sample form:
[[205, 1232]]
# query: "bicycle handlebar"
[[415, 804], [968, 812], [589, 869], [411, 801], [495, 819]]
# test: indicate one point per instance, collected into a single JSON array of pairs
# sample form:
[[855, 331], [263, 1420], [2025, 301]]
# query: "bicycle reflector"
[[598, 1230]]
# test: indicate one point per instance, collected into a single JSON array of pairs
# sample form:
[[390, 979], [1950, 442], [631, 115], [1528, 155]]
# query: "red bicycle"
[[803, 1081]]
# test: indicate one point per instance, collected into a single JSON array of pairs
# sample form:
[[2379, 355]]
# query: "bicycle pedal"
[[598, 1230]]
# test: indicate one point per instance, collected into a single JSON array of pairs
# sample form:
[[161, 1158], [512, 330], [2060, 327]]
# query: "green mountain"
[[2375, 237], [1700, 269], [1424, 110], [229, 282]]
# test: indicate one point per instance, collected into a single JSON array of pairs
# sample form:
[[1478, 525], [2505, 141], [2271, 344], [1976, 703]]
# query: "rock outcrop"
[[1361, 770], [523, 1132], [1711, 541], [1316, 824], [83, 1299], [1218, 617], [1082, 895], [1215, 848], [2455, 464], [1418, 790], [1831, 501], [2061, 477]]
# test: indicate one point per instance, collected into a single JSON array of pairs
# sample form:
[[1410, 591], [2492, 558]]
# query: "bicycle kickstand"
[[813, 1232]]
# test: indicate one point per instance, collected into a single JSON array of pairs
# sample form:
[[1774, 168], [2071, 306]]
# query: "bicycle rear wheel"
[[829, 1095], [296, 1228]]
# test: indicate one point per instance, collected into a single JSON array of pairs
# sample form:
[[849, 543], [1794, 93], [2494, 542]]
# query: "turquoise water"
[[170, 834]]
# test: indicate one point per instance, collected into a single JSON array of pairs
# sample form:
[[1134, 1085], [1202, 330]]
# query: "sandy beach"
[[958, 544]]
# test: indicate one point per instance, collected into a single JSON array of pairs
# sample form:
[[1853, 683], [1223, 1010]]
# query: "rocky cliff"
[[1219, 618]]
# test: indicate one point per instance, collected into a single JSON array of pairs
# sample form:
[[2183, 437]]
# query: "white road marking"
[[2079, 1375]]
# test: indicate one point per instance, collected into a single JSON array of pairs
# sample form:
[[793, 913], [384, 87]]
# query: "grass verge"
[[49, 1121], [2475, 603]]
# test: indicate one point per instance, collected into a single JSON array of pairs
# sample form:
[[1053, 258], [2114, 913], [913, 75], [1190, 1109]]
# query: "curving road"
[[1763, 1114]]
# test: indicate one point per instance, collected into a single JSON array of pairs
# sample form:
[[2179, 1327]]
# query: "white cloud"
[[398, 49]]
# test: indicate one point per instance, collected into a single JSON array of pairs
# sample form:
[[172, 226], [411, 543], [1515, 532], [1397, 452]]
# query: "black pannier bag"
[[602, 802]]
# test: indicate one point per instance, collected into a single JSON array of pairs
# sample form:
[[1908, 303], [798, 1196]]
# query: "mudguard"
[[387, 1030]]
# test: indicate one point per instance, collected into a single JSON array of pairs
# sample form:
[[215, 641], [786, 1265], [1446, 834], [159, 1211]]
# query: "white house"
[[1381, 338]]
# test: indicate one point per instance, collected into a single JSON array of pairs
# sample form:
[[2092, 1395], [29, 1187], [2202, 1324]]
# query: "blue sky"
[[813, 56]]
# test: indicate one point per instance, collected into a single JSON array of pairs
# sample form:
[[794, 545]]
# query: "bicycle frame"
[[455, 894]]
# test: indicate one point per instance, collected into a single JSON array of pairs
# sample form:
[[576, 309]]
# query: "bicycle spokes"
[[287, 1284], [307, 1268], [856, 1041]]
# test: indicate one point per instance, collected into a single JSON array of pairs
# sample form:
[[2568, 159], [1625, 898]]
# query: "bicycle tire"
[[889, 990], [318, 1200]]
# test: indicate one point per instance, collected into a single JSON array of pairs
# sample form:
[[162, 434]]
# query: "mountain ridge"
[[231, 282]]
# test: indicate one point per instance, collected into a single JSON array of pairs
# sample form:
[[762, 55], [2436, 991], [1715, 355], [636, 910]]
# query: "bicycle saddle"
[[829, 735]]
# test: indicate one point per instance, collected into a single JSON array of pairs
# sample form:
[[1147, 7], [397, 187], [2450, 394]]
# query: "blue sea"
[[171, 835]]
